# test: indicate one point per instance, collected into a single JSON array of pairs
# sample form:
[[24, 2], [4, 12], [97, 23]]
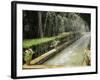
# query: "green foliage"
[[28, 56], [53, 23], [42, 45], [32, 42], [55, 43]]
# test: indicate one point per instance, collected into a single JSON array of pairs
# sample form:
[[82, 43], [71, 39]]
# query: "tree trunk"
[[40, 24]]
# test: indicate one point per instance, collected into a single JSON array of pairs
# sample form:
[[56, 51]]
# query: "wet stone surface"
[[73, 55]]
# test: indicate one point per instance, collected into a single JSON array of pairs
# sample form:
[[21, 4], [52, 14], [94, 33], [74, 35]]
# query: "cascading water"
[[69, 22], [72, 55], [64, 22], [53, 24]]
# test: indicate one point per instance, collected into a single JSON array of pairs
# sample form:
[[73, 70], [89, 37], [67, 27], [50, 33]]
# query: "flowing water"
[[72, 55], [64, 22]]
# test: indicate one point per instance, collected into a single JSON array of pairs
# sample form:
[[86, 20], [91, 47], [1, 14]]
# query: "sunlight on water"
[[72, 55], [73, 22]]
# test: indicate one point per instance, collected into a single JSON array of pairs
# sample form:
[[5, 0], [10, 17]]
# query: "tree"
[[40, 24]]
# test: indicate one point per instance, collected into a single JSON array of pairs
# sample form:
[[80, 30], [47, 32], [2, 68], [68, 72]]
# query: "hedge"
[[40, 46]]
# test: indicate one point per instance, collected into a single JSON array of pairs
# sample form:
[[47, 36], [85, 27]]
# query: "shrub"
[[40, 46], [28, 56]]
